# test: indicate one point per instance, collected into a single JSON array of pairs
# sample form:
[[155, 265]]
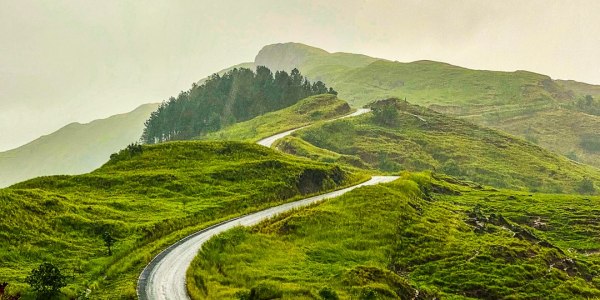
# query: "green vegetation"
[[222, 100], [145, 198], [73, 149], [590, 142], [422, 235], [587, 105], [525, 104], [416, 139], [46, 281], [305, 112]]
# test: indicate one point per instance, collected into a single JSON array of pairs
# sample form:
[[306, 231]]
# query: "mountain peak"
[[286, 56]]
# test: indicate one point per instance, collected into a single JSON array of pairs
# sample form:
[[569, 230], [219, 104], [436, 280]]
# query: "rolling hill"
[[418, 139], [146, 197], [419, 237], [526, 104], [75, 148]]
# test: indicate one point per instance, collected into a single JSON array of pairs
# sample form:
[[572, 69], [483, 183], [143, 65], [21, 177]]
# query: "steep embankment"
[[415, 238], [400, 136], [75, 148], [525, 104], [147, 197]]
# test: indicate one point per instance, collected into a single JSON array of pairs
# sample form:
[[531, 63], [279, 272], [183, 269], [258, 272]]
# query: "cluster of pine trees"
[[236, 96]]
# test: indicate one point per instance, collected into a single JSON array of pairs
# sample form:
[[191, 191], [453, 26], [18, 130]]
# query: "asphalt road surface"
[[268, 142], [164, 277]]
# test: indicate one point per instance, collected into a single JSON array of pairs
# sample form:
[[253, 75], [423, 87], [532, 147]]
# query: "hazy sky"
[[66, 61]]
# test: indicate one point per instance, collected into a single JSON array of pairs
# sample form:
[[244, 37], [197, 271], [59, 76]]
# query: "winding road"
[[165, 276], [268, 142]]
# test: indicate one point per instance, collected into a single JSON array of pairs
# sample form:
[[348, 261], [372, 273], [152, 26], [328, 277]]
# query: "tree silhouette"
[[237, 95], [109, 241]]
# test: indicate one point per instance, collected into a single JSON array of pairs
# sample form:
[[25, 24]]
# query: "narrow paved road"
[[164, 277], [268, 142]]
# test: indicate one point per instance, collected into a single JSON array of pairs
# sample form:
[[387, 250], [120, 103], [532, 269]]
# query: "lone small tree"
[[46, 280], [385, 113], [109, 241], [586, 186]]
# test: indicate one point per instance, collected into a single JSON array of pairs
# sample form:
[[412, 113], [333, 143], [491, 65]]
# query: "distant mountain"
[[75, 148], [526, 104]]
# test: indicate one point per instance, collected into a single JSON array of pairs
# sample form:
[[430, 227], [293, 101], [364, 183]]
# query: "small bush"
[[586, 186], [385, 113], [264, 291], [590, 142], [328, 293]]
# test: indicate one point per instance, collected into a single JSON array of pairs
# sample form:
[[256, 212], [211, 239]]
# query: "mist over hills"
[[526, 104], [74, 149]]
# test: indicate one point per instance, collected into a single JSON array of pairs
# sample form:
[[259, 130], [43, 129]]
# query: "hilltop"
[[532, 106], [75, 148], [521, 103]]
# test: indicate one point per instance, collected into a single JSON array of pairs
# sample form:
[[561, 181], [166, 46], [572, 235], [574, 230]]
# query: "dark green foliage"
[[265, 292], [46, 280], [572, 156], [135, 149], [109, 241], [590, 142], [451, 167], [586, 186], [304, 112], [262, 291], [237, 95], [587, 105], [385, 112], [328, 293]]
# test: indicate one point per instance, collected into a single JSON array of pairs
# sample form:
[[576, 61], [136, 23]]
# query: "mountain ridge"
[[74, 148]]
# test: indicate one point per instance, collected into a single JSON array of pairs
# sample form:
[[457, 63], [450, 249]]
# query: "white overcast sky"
[[67, 61]]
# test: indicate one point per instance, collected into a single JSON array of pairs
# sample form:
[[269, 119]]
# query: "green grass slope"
[[421, 139], [146, 200], [305, 112], [580, 88], [415, 238], [517, 102], [73, 149]]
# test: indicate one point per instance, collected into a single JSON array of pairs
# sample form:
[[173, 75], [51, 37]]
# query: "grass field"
[[147, 200], [521, 103], [305, 112], [421, 236], [421, 139]]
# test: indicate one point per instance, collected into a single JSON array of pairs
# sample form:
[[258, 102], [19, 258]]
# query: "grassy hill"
[[305, 112], [73, 149], [517, 102], [416, 238], [420, 139], [147, 198]]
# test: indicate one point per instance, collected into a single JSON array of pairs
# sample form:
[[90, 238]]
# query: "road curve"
[[268, 142], [165, 276]]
